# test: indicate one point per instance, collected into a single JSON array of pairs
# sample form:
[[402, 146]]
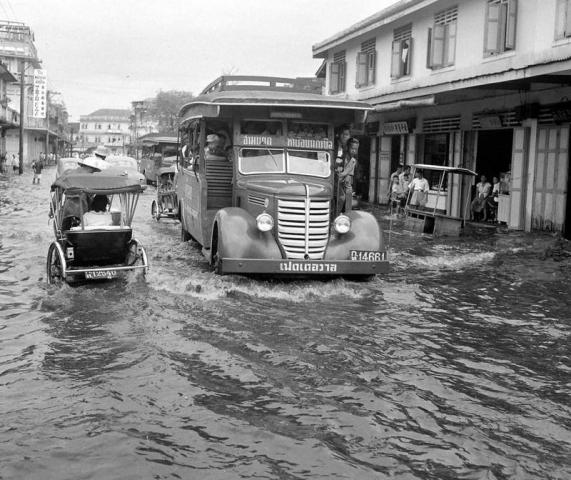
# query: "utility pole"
[[22, 117]]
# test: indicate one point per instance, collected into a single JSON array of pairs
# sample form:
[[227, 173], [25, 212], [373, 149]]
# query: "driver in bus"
[[214, 146]]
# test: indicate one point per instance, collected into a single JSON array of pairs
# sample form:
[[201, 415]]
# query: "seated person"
[[213, 146], [478, 205], [98, 214], [73, 208]]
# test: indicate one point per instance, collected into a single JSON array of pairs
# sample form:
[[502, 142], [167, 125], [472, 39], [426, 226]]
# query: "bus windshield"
[[261, 160], [303, 162]]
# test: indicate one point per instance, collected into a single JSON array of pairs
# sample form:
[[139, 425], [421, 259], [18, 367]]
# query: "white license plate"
[[367, 256], [99, 274]]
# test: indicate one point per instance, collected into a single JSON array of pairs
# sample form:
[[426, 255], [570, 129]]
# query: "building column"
[[531, 124]]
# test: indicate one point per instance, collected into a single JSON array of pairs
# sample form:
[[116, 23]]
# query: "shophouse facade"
[[40, 135], [108, 127], [483, 84]]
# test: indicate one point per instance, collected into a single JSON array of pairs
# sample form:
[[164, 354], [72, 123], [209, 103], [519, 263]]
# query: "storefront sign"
[[395, 128], [40, 104]]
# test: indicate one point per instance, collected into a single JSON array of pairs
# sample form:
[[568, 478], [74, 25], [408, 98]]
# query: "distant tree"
[[165, 107]]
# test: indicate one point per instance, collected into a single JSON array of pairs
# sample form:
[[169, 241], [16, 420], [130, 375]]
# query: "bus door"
[[191, 186]]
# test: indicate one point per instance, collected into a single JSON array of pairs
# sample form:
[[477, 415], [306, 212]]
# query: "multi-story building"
[[484, 84], [9, 119], [143, 122], [41, 135], [107, 126]]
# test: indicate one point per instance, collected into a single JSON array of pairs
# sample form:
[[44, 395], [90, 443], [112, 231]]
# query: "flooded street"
[[456, 365]]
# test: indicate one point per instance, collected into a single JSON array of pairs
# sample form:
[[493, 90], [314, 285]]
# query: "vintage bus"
[[158, 151], [255, 181]]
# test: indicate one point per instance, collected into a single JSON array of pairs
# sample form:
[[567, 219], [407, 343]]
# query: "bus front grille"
[[303, 227]]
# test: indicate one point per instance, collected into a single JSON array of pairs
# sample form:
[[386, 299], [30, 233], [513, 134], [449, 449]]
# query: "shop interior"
[[494, 154]]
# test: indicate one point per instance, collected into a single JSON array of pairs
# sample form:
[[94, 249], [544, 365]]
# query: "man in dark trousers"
[[344, 173]]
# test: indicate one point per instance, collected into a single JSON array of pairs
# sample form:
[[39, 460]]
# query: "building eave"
[[386, 16]]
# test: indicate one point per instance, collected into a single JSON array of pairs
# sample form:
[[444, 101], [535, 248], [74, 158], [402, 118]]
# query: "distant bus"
[[157, 151], [260, 199]]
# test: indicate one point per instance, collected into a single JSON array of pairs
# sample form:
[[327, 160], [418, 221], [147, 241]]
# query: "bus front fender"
[[236, 235], [365, 235]]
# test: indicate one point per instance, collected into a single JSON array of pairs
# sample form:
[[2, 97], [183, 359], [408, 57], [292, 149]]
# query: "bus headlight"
[[342, 224], [265, 222]]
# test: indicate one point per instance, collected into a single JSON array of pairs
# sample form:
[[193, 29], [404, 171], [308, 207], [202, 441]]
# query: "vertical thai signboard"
[[39, 106]]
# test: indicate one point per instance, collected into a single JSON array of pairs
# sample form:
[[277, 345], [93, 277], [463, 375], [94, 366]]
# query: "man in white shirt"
[[419, 188]]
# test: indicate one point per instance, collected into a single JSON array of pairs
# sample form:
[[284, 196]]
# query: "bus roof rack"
[[254, 82]]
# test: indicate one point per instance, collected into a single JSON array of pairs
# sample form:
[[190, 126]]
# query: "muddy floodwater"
[[456, 365]]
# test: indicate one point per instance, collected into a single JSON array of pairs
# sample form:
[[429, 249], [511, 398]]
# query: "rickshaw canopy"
[[107, 182], [444, 169], [122, 161]]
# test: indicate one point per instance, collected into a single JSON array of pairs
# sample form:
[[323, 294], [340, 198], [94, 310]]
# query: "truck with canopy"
[[255, 183]]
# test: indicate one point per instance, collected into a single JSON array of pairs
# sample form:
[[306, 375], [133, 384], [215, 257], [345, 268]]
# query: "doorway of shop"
[[362, 171], [494, 155]]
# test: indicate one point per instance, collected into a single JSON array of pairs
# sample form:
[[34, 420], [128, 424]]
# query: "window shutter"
[[334, 78], [567, 32], [560, 18], [362, 63], [396, 70], [406, 56], [371, 68], [511, 24], [438, 43], [429, 49], [492, 43], [450, 43], [342, 70]]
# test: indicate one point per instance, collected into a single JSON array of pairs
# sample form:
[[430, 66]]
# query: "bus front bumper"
[[303, 267]]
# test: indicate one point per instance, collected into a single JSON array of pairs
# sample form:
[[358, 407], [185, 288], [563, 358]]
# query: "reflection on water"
[[455, 365]]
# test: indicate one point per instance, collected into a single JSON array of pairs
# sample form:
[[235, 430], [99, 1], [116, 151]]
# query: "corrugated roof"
[[110, 112]]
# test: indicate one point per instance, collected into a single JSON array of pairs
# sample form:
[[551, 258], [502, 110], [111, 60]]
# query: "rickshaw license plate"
[[100, 274], [367, 256]]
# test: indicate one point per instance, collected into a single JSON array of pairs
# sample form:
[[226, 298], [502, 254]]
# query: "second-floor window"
[[500, 26], [337, 73], [442, 39], [366, 64], [563, 19], [401, 52]]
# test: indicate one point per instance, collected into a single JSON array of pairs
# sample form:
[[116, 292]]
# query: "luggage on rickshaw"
[[92, 213], [166, 203]]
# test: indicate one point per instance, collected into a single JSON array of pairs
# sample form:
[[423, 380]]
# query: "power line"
[[5, 12], [12, 9]]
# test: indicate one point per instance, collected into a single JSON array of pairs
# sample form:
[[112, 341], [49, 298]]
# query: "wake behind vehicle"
[[256, 187], [92, 215]]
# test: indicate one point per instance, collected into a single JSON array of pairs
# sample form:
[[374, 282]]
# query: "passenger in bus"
[[213, 146], [419, 188], [345, 173]]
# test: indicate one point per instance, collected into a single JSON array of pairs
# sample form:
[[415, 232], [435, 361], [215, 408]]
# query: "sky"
[[108, 53]]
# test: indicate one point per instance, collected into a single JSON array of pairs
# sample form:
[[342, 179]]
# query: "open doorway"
[[494, 153], [362, 171]]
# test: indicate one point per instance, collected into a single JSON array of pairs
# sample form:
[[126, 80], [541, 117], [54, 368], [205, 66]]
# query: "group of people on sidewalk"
[[401, 186], [10, 165]]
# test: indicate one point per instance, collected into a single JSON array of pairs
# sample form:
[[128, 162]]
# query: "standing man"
[[419, 188], [37, 167], [345, 173]]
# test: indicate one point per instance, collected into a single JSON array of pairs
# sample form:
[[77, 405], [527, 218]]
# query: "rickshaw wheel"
[[55, 266], [155, 211]]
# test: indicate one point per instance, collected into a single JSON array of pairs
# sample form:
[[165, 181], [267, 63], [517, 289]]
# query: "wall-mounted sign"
[[395, 128], [40, 102]]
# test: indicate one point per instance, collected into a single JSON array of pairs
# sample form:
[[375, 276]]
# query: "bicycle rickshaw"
[[166, 203], [92, 215]]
